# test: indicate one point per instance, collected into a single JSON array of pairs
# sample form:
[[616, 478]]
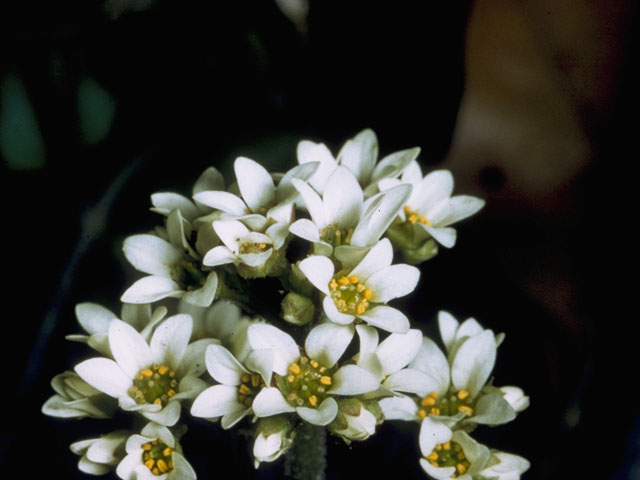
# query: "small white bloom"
[[453, 333], [155, 454], [76, 398], [174, 268], [505, 466], [307, 381], [153, 377], [232, 399], [516, 398], [99, 456], [272, 439], [355, 421], [364, 291], [448, 454], [431, 209]]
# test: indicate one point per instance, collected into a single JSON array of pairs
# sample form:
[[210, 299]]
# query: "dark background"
[[528, 103]]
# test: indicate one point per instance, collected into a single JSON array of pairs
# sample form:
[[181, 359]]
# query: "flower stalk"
[[307, 458]]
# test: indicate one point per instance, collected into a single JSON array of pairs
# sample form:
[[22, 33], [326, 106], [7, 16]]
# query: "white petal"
[[103, 450], [492, 409], [278, 233], [189, 388], [412, 174], [136, 315], [410, 380], [261, 361], [165, 202], [353, 380], [219, 256], [231, 418], [168, 416], [94, 318], [342, 198], [468, 328], [461, 207], [327, 342], [349, 256], [225, 201], [516, 398], [204, 295], [477, 454], [283, 212], [445, 236], [398, 349], [304, 172], [270, 402], [262, 336], [151, 254], [432, 361], [510, 467], [474, 362], [398, 408], [105, 375], [392, 282], [223, 366], [255, 259], [432, 433], [129, 348], [312, 201], [434, 188], [380, 256], [368, 339], [87, 466], [317, 152], [211, 179], [217, 401], [193, 363], [323, 415], [305, 228], [151, 289], [319, 271], [125, 468], [255, 183], [334, 315], [170, 340], [387, 318], [253, 221], [152, 430], [448, 326], [393, 164], [231, 232], [182, 470], [359, 154]]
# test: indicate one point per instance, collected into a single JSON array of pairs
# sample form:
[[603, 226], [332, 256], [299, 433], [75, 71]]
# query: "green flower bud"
[[297, 309]]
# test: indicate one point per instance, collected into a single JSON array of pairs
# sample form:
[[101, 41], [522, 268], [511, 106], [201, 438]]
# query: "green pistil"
[[156, 385], [336, 236], [449, 454], [306, 383]]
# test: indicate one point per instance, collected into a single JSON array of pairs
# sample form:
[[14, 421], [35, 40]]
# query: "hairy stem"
[[306, 459]]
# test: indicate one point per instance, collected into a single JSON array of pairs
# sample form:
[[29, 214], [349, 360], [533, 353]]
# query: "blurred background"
[[532, 104]]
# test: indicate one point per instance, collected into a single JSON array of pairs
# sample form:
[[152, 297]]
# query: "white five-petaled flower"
[[99, 456], [431, 209], [173, 266], [232, 399], [153, 377], [155, 454], [360, 155], [364, 291], [341, 218], [76, 398], [260, 200], [307, 381], [451, 390], [243, 246]]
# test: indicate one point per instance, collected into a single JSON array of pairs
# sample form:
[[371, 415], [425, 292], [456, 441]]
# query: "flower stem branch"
[[307, 458]]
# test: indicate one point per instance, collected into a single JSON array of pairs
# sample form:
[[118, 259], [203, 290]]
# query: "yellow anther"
[[162, 465], [462, 394], [361, 287], [413, 218], [171, 393], [422, 413], [313, 400], [435, 464], [360, 309], [460, 468], [468, 411], [435, 411], [157, 401], [406, 209], [163, 369], [291, 378], [344, 281], [433, 456], [323, 369], [155, 471], [172, 374], [262, 245], [428, 401], [167, 451], [244, 389], [368, 293], [294, 368], [150, 463], [146, 446], [446, 446], [433, 394], [333, 284], [147, 373], [245, 378], [325, 380], [460, 456], [255, 380], [320, 389], [314, 364], [353, 279], [439, 447], [248, 402], [457, 448]]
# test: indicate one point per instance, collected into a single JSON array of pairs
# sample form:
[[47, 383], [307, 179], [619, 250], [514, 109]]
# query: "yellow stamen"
[[461, 468], [157, 401], [163, 369], [344, 281], [147, 373], [155, 471], [291, 378], [255, 380], [446, 446], [333, 284], [422, 413], [325, 380], [353, 279], [368, 293], [314, 364], [171, 393], [162, 465], [433, 456], [428, 401], [439, 447], [313, 400], [361, 308], [462, 394], [167, 451], [361, 287], [146, 446], [468, 411], [435, 411], [150, 463], [244, 389], [245, 378], [294, 368]]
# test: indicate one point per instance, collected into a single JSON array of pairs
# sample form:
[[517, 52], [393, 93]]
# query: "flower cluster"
[[330, 230]]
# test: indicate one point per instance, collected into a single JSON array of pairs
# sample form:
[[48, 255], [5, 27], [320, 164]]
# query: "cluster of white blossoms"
[[197, 335]]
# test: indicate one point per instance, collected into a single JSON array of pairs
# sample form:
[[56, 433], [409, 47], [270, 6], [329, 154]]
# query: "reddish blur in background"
[[531, 104]]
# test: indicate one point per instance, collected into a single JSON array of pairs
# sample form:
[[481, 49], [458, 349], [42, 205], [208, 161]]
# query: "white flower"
[[355, 420], [451, 390], [516, 398], [232, 399], [154, 455], [260, 200], [150, 378], [307, 381], [431, 208], [245, 247], [359, 154], [76, 398], [95, 320], [364, 291], [174, 268], [448, 454], [342, 217], [505, 466], [453, 333], [99, 456], [272, 439]]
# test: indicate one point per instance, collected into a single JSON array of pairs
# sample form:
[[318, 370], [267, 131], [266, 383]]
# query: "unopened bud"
[[297, 309]]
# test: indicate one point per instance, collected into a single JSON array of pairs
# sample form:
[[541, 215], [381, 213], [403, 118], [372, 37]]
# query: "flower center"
[[306, 383], [250, 386], [447, 405], [449, 454], [251, 247], [187, 273], [414, 217], [336, 236], [349, 295], [155, 384], [157, 457]]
